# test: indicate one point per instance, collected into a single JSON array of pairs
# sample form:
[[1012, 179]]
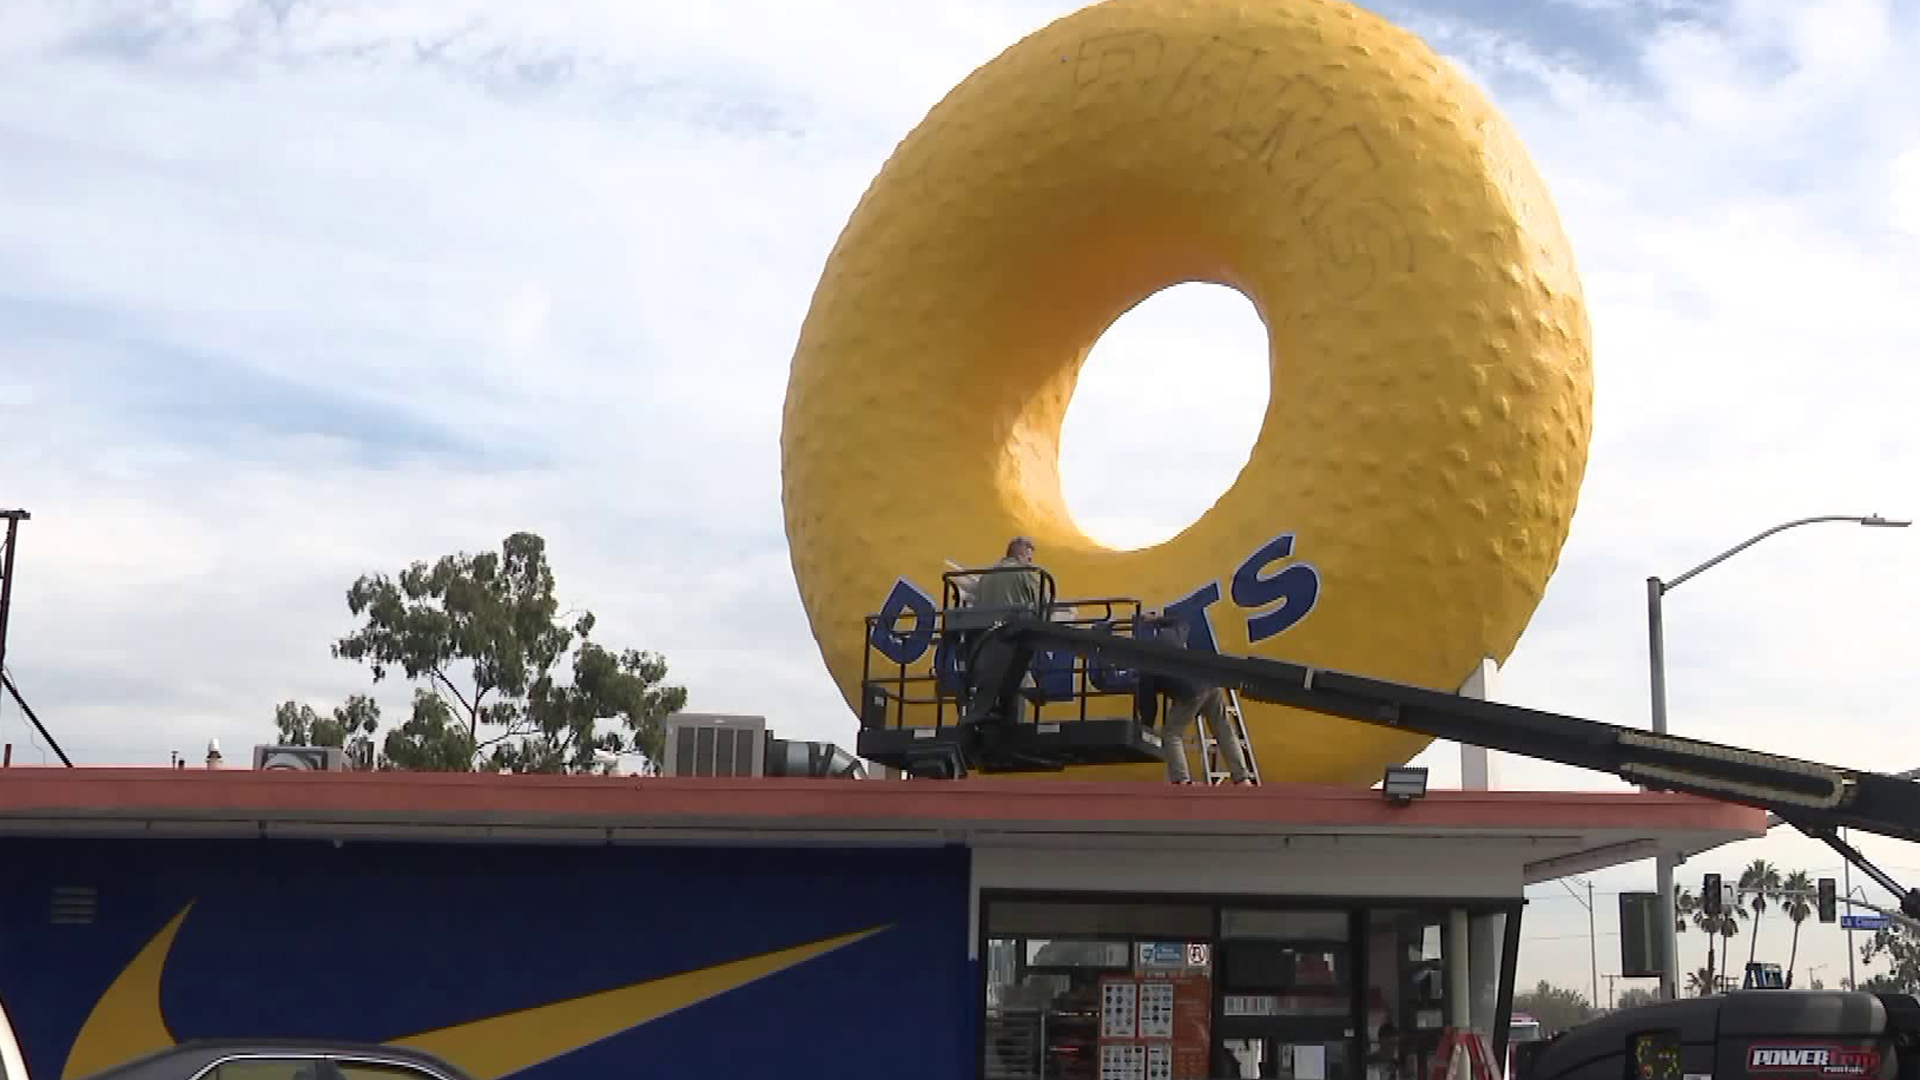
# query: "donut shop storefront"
[[1306, 933], [970, 930], [1231, 987]]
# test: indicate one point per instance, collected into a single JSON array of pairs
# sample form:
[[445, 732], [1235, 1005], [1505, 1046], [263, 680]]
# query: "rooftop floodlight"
[[1404, 783]]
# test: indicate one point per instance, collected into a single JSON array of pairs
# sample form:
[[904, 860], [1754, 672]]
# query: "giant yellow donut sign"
[[1427, 427]]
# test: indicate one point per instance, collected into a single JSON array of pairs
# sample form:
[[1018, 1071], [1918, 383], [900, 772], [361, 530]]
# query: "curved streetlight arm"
[[1665, 944], [1869, 519]]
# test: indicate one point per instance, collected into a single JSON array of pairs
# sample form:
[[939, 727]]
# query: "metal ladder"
[[1216, 769]]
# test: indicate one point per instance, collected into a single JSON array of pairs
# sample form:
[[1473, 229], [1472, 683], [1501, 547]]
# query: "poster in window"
[[1119, 1008], [1123, 1061], [1156, 1009], [1160, 1061]]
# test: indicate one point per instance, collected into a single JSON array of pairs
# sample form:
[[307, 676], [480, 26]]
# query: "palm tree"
[[1723, 926], [1700, 981], [1684, 905], [1757, 880], [1729, 929], [1798, 908]]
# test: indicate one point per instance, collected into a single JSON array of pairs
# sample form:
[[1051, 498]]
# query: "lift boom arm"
[[1817, 799]]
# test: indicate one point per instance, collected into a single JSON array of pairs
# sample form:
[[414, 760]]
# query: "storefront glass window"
[[1091, 981], [1286, 986], [1406, 991]]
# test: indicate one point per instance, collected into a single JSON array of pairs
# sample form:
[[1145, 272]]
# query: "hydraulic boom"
[[1815, 798]]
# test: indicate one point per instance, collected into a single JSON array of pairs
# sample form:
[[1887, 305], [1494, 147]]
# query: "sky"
[[293, 291]]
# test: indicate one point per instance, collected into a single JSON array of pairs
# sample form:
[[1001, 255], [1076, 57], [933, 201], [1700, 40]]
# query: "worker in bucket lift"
[[1008, 584], [1192, 701], [1009, 587]]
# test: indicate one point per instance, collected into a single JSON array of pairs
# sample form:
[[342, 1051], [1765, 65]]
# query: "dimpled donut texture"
[[1430, 405]]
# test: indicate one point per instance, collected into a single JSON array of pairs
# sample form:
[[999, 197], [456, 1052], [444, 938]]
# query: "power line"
[[6, 680]]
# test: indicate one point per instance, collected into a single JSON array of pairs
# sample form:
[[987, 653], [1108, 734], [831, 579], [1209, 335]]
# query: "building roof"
[[1571, 831]]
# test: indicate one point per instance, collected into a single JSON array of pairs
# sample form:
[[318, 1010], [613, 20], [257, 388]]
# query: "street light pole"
[[1667, 939], [1846, 872]]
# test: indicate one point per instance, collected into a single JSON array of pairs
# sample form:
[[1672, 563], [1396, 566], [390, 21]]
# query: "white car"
[[261, 1060], [12, 1065]]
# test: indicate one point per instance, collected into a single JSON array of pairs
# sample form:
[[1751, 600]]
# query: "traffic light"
[[1828, 903], [1710, 895]]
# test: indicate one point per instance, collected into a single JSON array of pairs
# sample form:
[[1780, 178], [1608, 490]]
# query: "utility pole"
[[1593, 947], [13, 518], [1610, 978]]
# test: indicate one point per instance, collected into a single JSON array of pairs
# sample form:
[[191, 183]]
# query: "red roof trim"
[[111, 793]]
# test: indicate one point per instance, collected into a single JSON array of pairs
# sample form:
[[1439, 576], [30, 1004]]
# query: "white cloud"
[[1905, 191], [296, 291]]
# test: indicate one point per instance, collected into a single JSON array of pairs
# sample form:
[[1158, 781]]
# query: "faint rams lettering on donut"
[[1329, 166], [1213, 82], [1280, 121], [1117, 58], [1278, 116], [1270, 116], [1359, 245]]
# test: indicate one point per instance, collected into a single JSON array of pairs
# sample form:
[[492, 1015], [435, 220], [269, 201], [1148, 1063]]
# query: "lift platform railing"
[[920, 685], [1072, 683], [1816, 798]]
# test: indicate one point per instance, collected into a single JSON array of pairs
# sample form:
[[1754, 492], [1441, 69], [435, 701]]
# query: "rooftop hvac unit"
[[309, 758], [714, 744]]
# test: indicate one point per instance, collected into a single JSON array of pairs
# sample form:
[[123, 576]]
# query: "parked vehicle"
[[1747, 1033], [269, 1059], [1521, 1028], [12, 1065]]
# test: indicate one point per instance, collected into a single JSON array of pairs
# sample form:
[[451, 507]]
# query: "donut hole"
[[1165, 414]]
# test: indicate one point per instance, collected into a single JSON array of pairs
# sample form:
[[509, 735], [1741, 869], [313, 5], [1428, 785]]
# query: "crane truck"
[[1101, 668]]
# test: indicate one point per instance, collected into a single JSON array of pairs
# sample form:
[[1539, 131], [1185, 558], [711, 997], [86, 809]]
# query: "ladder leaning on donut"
[[1054, 708]]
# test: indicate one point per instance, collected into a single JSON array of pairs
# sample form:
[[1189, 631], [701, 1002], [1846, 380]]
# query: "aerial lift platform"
[[1067, 711], [1064, 711]]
